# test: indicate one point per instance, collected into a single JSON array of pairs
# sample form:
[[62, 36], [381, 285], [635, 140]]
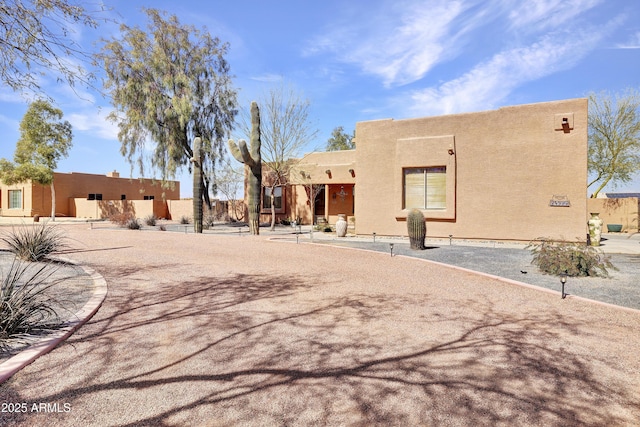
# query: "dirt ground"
[[217, 330]]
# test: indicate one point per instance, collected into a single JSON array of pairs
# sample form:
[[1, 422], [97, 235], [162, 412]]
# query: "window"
[[149, 197], [277, 201], [123, 197], [15, 199], [94, 196], [425, 188]]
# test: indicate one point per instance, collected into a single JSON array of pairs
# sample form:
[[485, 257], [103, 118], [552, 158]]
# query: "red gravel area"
[[208, 330]]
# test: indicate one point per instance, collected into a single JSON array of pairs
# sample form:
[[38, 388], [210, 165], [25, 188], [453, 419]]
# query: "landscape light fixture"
[[563, 280], [374, 237], [391, 248], [450, 238]]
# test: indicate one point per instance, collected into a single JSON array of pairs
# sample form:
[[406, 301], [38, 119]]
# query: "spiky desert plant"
[[253, 167], [25, 303], [197, 184], [34, 243], [416, 228], [134, 224], [151, 220]]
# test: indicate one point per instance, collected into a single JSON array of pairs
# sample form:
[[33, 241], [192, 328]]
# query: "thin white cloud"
[[399, 43], [93, 123], [632, 43], [545, 14], [268, 78], [490, 82]]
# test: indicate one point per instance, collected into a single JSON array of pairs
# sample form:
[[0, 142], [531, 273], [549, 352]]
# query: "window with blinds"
[[425, 188], [266, 199], [15, 199]]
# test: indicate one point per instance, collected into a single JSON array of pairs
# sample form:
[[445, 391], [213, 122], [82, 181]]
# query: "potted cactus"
[[416, 228]]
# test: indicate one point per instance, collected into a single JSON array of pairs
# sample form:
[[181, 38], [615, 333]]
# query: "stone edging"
[[48, 343]]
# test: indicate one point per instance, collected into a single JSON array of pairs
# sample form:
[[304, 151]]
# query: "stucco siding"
[[509, 164]]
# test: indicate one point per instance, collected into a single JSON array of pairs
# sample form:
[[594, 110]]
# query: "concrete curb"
[[480, 273], [48, 343]]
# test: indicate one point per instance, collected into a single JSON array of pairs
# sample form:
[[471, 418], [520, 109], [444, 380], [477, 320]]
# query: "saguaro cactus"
[[197, 184], [253, 167], [416, 228]]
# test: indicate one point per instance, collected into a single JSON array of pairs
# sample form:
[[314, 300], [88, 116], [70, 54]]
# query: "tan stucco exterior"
[[623, 211], [503, 170], [516, 173], [72, 193]]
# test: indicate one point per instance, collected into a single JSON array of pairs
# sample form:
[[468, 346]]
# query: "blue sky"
[[370, 59]]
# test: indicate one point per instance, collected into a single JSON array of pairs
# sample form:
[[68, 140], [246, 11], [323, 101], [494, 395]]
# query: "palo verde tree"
[[44, 140], [614, 138], [169, 85], [35, 41], [285, 129], [340, 140]]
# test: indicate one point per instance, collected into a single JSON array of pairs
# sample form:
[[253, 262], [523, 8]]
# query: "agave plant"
[[34, 243], [25, 303]]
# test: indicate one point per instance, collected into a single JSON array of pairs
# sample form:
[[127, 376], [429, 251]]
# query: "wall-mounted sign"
[[559, 201]]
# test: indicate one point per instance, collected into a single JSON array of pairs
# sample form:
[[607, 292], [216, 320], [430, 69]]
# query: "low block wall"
[[623, 211], [103, 209]]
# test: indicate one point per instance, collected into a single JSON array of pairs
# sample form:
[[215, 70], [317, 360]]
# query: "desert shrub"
[[151, 220], [34, 243], [121, 219], [134, 224], [208, 221], [572, 259], [185, 220], [285, 221], [25, 305]]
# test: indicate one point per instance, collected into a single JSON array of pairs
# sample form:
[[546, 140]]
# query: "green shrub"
[[572, 259], [151, 220], [25, 305], [34, 243], [134, 224]]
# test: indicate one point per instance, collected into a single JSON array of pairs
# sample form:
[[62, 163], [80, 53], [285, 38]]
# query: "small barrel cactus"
[[416, 228]]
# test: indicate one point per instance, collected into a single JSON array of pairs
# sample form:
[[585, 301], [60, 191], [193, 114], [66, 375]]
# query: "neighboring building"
[[88, 196], [516, 173]]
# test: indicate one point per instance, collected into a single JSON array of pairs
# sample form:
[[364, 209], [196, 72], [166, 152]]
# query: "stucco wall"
[[70, 186], [508, 165], [26, 205], [337, 171], [625, 211]]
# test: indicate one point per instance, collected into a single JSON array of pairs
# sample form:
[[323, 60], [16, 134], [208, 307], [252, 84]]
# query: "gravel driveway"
[[208, 330]]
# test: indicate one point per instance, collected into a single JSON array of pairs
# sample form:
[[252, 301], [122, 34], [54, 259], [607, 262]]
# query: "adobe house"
[[516, 173], [88, 196]]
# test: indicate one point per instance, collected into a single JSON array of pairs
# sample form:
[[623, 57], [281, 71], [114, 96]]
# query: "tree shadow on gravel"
[[260, 349]]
